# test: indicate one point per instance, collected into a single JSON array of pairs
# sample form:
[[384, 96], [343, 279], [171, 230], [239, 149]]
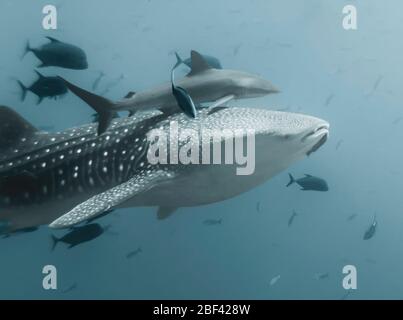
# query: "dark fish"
[[97, 80], [339, 144], [258, 206], [59, 54], [235, 51], [309, 183], [79, 235], [212, 222], [212, 61], [183, 99], [376, 85], [44, 87], [322, 276], [112, 84], [329, 99], [21, 231], [397, 120], [291, 220], [134, 253], [352, 217], [71, 288], [371, 230]]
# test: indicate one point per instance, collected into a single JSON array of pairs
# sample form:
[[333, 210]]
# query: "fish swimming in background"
[[258, 206], [97, 80], [291, 220], [183, 99], [397, 120], [371, 230], [44, 87], [321, 276], [59, 54], [134, 253], [21, 231], [352, 217], [339, 144], [329, 99], [376, 85], [309, 183], [71, 288], [212, 61], [235, 51], [212, 222], [274, 280], [112, 84], [79, 235]]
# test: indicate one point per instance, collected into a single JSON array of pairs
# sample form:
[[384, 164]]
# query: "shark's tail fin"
[[292, 180], [179, 60], [101, 105], [26, 49], [54, 242], [24, 90]]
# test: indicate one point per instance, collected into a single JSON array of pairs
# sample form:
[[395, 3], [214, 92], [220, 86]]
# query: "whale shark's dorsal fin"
[[111, 198], [13, 128], [198, 63]]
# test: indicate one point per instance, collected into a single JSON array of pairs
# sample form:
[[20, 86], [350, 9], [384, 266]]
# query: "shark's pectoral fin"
[[165, 212], [222, 100], [104, 201]]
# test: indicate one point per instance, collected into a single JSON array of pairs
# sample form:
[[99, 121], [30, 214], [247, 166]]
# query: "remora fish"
[[75, 175], [59, 54], [79, 235], [183, 99], [203, 84], [44, 87]]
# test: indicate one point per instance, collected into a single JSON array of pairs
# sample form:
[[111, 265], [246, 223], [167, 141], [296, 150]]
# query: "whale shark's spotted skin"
[[76, 160], [44, 176]]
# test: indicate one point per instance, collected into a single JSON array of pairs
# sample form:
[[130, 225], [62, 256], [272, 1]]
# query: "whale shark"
[[203, 83], [63, 178]]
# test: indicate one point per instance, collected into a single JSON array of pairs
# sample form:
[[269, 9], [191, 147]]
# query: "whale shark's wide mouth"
[[321, 132]]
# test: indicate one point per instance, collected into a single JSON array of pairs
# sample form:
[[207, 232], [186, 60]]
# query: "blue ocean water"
[[349, 78]]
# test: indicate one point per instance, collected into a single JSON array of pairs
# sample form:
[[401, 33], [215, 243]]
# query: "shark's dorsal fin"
[[52, 39], [165, 212], [13, 128], [111, 198], [198, 63]]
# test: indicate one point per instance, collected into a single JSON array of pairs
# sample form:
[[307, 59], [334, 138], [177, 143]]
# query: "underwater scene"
[[207, 149]]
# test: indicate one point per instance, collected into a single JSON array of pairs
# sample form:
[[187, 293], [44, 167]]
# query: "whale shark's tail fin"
[[101, 105], [292, 180]]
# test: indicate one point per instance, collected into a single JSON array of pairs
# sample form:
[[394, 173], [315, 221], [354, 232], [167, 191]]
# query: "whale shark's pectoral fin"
[[222, 100], [165, 212], [104, 201]]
